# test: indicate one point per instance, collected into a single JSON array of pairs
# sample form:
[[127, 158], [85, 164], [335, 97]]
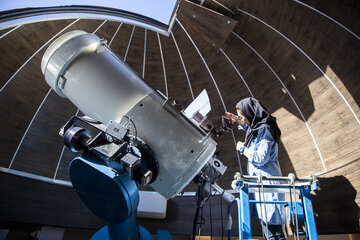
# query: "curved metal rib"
[[237, 71], [328, 17], [140, 13], [292, 99], [10, 31], [202, 58], [144, 59], [312, 61], [163, 64], [212, 77], [32, 56], [117, 30], [337, 168], [183, 64], [97, 29], [62, 152], [127, 49], [59, 161], [36, 177], [223, 6], [27, 129]]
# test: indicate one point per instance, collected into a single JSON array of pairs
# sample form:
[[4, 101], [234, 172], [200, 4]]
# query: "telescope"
[[130, 134]]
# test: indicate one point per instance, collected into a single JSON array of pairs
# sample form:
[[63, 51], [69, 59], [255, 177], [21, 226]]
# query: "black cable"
[[132, 124], [202, 220], [198, 208], [195, 223], [221, 215], [211, 233], [196, 215]]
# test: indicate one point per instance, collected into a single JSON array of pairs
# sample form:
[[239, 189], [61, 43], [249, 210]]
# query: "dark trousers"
[[275, 232]]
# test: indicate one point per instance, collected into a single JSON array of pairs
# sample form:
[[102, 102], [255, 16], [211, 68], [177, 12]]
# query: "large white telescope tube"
[[80, 67]]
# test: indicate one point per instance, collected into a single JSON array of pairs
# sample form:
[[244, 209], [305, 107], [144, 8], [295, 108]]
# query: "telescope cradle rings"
[[63, 59]]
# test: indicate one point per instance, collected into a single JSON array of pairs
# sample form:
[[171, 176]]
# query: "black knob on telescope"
[[142, 175], [75, 138]]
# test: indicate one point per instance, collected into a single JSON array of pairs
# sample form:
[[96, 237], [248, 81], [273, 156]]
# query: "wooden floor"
[[301, 61]]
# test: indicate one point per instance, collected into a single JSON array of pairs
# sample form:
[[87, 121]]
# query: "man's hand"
[[239, 145]]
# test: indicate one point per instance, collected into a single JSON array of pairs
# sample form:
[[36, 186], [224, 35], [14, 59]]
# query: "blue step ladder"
[[300, 206]]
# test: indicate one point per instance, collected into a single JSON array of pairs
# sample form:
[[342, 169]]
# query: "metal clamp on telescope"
[[114, 145]]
